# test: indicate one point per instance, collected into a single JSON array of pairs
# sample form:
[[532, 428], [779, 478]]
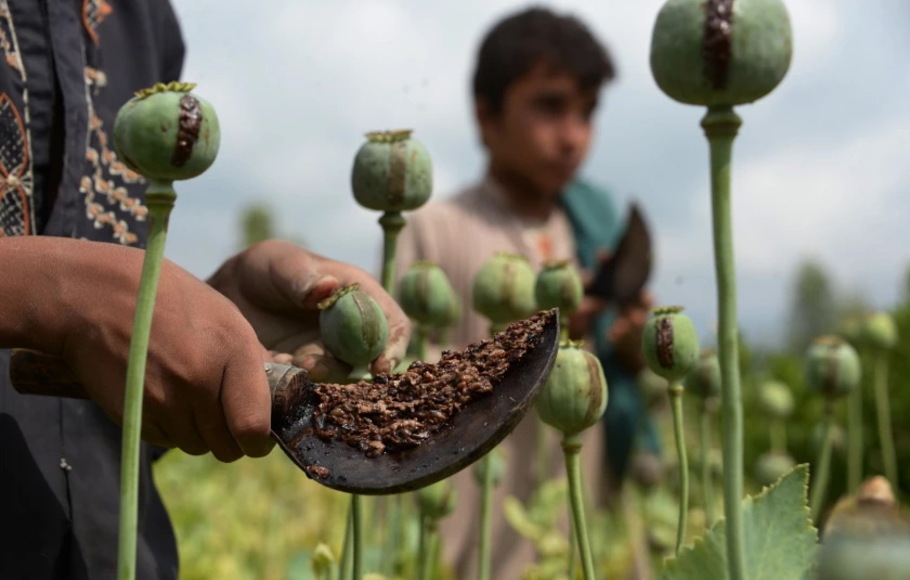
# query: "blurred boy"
[[536, 88]]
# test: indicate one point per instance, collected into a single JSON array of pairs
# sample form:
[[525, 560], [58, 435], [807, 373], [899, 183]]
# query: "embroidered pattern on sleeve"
[[93, 14], [16, 184], [105, 184]]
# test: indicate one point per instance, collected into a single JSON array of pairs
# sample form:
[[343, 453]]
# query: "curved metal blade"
[[621, 279], [473, 432]]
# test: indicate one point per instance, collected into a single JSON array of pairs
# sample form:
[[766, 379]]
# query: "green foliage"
[[802, 426], [251, 519], [537, 521], [780, 541]]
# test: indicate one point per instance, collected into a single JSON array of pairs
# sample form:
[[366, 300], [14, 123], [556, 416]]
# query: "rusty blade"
[[474, 431]]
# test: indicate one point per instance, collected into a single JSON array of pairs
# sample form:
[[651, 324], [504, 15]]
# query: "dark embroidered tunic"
[[68, 66]]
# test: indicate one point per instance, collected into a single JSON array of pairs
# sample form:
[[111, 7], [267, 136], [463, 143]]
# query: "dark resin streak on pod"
[[718, 44]]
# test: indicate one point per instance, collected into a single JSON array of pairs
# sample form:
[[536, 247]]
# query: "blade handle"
[[35, 373]]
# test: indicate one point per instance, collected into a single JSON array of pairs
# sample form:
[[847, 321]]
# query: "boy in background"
[[536, 87]]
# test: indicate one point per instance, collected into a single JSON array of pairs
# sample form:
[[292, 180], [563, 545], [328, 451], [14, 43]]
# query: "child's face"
[[542, 133]]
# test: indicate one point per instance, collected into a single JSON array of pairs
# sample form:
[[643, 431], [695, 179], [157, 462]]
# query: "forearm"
[[35, 273]]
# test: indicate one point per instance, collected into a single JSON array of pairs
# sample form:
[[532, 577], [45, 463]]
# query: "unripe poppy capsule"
[[670, 343], [167, 133], [832, 366], [704, 380], [720, 52], [771, 466], [353, 327], [425, 294], [575, 394], [392, 172], [503, 288], [880, 331], [437, 500], [775, 399], [558, 285]]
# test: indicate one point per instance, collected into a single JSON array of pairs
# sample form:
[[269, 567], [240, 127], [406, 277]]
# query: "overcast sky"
[[820, 167]]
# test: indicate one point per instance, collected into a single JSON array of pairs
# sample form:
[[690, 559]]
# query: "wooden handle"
[[36, 373]]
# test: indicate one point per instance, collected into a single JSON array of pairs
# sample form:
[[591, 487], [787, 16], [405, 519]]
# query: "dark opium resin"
[[397, 412]]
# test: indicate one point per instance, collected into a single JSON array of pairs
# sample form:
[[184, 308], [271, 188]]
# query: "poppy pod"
[[575, 395], [832, 366], [392, 172], [720, 52], [353, 327], [670, 343], [503, 288], [167, 133]]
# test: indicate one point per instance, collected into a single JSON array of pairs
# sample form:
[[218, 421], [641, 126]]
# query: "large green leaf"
[[780, 540]]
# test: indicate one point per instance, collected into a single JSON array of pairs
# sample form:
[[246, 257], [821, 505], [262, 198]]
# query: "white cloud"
[[807, 198]]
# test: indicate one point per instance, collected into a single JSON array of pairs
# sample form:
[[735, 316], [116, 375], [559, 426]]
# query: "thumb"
[[309, 293]]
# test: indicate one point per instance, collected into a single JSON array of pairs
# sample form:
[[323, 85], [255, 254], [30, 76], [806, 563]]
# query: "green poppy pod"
[[775, 399], [832, 366], [575, 394], [771, 466], [558, 285], [455, 313], [670, 343], [704, 380], [437, 500], [720, 52], [392, 172], [497, 465], [880, 331], [322, 560], [425, 294], [167, 133], [503, 288], [353, 327]]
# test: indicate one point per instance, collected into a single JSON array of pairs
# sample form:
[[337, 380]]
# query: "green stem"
[[571, 447], [160, 197], [820, 479], [426, 549], [721, 125], [883, 408], [393, 533], [540, 452], [422, 548], [854, 439], [484, 561], [392, 222], [420, 342], [707, 482], [778, 436], [572, 544], [676, 393], [357, 535], [435, 549], [346, 548]]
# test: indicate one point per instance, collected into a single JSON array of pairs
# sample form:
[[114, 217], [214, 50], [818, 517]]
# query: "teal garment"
[[597, 227]]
